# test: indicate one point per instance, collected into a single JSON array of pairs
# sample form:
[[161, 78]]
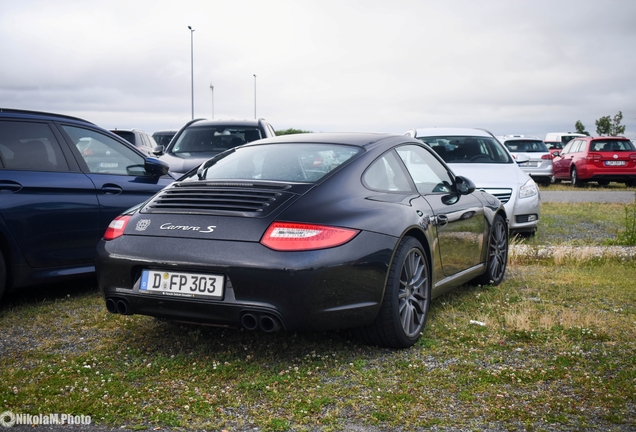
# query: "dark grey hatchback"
[[62, 180]]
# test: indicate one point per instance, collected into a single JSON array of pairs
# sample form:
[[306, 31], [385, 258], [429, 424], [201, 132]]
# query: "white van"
[[555, 141], [562, 137]]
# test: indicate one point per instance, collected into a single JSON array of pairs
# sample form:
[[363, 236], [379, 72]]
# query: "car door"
[[116, 170], [49, 208], [459, 219], [561, 163]]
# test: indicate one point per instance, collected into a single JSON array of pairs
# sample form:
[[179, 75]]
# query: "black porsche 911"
[[307, 232]]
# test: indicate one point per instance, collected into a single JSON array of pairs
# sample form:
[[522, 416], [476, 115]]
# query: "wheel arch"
[[419, 235]]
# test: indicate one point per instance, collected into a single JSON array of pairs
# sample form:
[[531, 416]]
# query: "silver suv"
[[201, 139], [539, 159]]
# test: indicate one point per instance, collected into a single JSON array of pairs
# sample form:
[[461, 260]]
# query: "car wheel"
[[407, 298], [3, 275], [497, 254], [576, 182], [555, 180]]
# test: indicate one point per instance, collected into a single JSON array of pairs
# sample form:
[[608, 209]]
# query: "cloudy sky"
[[527, 67]]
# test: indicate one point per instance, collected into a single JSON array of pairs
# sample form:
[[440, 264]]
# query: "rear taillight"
[[290, 236], [546, 156], [593, 157], [116, 227], [632, 156]]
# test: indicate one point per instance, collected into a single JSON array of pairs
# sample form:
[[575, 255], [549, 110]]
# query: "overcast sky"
[[528, 67]]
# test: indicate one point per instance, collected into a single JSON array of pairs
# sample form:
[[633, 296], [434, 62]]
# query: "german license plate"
[[180, 284], [614, 163], [108, 165], [529, 164]]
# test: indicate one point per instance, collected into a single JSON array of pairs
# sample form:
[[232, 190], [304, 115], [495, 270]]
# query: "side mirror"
[[464, 185], [156, 167], [556, 153], [158, 151], [522, 158]]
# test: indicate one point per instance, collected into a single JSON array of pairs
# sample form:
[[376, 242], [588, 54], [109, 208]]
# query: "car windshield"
[[280, 162], [526, 146], [468, 149], [611, 145], [213, 139], [163, 138]]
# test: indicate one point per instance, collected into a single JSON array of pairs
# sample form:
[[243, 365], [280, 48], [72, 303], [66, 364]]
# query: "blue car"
[[62, 181]]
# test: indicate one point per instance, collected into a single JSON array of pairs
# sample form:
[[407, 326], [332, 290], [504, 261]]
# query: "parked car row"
[[311, 231], [233, 226]]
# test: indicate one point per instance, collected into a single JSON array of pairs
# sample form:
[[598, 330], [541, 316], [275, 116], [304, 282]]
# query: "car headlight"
[[528, 190]]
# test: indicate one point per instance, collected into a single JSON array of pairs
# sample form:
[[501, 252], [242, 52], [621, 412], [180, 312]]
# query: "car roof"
[[231, 122], [126, 130], [433, 132], [519, 137], [359, 139], [605, 137], [40, 115]]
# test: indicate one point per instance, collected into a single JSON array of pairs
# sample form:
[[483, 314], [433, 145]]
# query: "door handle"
[[111, 189], [10, 186]]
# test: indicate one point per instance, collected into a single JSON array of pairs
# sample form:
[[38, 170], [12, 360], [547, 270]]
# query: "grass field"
[[551, 348]]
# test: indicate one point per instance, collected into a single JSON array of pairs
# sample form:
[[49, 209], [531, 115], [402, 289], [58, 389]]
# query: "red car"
[[599, 159]]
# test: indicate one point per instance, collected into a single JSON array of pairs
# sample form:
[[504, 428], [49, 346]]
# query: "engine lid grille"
[[220, 198]]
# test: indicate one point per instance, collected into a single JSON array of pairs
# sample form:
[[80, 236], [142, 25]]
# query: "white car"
[[539, 164], [479, 156]]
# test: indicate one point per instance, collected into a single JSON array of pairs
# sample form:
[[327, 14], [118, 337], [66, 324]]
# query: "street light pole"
[[192, 68], [212, 88], [254, 95]]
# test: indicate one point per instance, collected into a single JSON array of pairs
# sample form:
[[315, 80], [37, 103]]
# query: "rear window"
[[467, 149], [611, 145], [526, 146], [279, 162]]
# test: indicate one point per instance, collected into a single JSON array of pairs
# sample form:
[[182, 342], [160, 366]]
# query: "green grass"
[[552, 347]]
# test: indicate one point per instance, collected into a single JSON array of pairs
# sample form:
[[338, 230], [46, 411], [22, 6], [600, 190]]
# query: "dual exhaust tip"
[[265, 322], [118, 306], [250, 321]]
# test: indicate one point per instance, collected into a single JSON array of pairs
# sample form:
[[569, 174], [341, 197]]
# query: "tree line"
[[605, 126]]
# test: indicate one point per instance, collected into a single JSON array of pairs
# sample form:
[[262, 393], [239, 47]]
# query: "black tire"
[[3, 275], [407, 299], [574, 176], [497, 254]]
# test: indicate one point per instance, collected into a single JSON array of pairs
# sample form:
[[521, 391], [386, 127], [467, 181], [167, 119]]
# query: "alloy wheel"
[[413, 295]]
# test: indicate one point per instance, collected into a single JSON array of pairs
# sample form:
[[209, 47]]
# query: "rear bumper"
[[326, 289]]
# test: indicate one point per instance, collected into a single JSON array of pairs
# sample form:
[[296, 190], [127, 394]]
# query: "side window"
[[577, 146], [386, 174], [567, 148], [429, 175], [103, 154], [30, 146]]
